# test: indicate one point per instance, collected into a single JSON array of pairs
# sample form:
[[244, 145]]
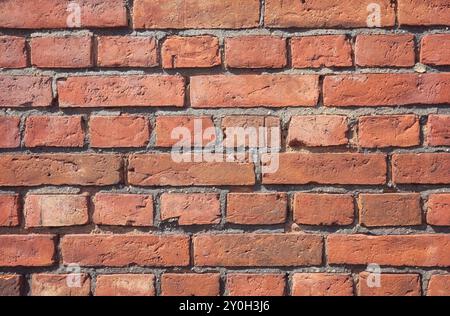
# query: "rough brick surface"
[[224, 147]]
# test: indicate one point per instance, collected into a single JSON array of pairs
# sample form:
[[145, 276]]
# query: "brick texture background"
[[86, 176]]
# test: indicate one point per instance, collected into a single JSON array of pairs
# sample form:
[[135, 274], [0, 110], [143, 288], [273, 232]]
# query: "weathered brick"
[[251, 131], [9, 210], [385, 50], [60, 169], [54, 131], [255, 52], [190, 52], [11, 285], [13, 53], [256, 208], [439, 285], [60, 285], [435, 50], [416, 12], [123, 209], [166, 14], [119, 131], [438, 130], [327, 168], [21, 91], [127, 51], [393, 250], [173, 130], [9, 129], [162, 170], [56, 210], [62, 52], [27, 250], [190, 284], [322, 284], [254, 91], [387, 89], [121, 91], [389, 131], [325, 13], [323, 209], [125, 285], [438, 213], [426, 168], [318, 131], [248, 250], [321, 51], [249, 284], [47, 14], [390, 209], [191, 209], [390, 285], [125, 250]]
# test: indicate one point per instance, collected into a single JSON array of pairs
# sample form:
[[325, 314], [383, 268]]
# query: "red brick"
[[123, 209], [190, 284], [318, 131], [435, 49], [438, 130], [385, 50], [247, 284], [390, 209], [200, 128], [191, 209], [9, 129], [324, 13], [21, 91], [60, 169], [387, 89], [127, 51], [394, 250], [249, 250], [47, 14], [60, 285], [255, 52], [124, 250], [327, 168], [162, 170], [121, 91], [11, 285], [322, 284], [54, 131], [254, 91], [198, 14], [13, 53], [56, 210], [439, 285], [62, 52], [323, 209], [256, 208], [391, 285], [389, 131], [321, 51], [9, 210], [438, 213], [125, 285], [251, 131], [427, 168], [27, 250], [417, 12], [119, 131], [190, 52]]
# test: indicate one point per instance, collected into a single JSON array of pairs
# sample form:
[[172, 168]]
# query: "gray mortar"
[[284, 114]]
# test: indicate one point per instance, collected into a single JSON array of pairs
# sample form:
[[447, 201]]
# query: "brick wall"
[[92, 201]]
